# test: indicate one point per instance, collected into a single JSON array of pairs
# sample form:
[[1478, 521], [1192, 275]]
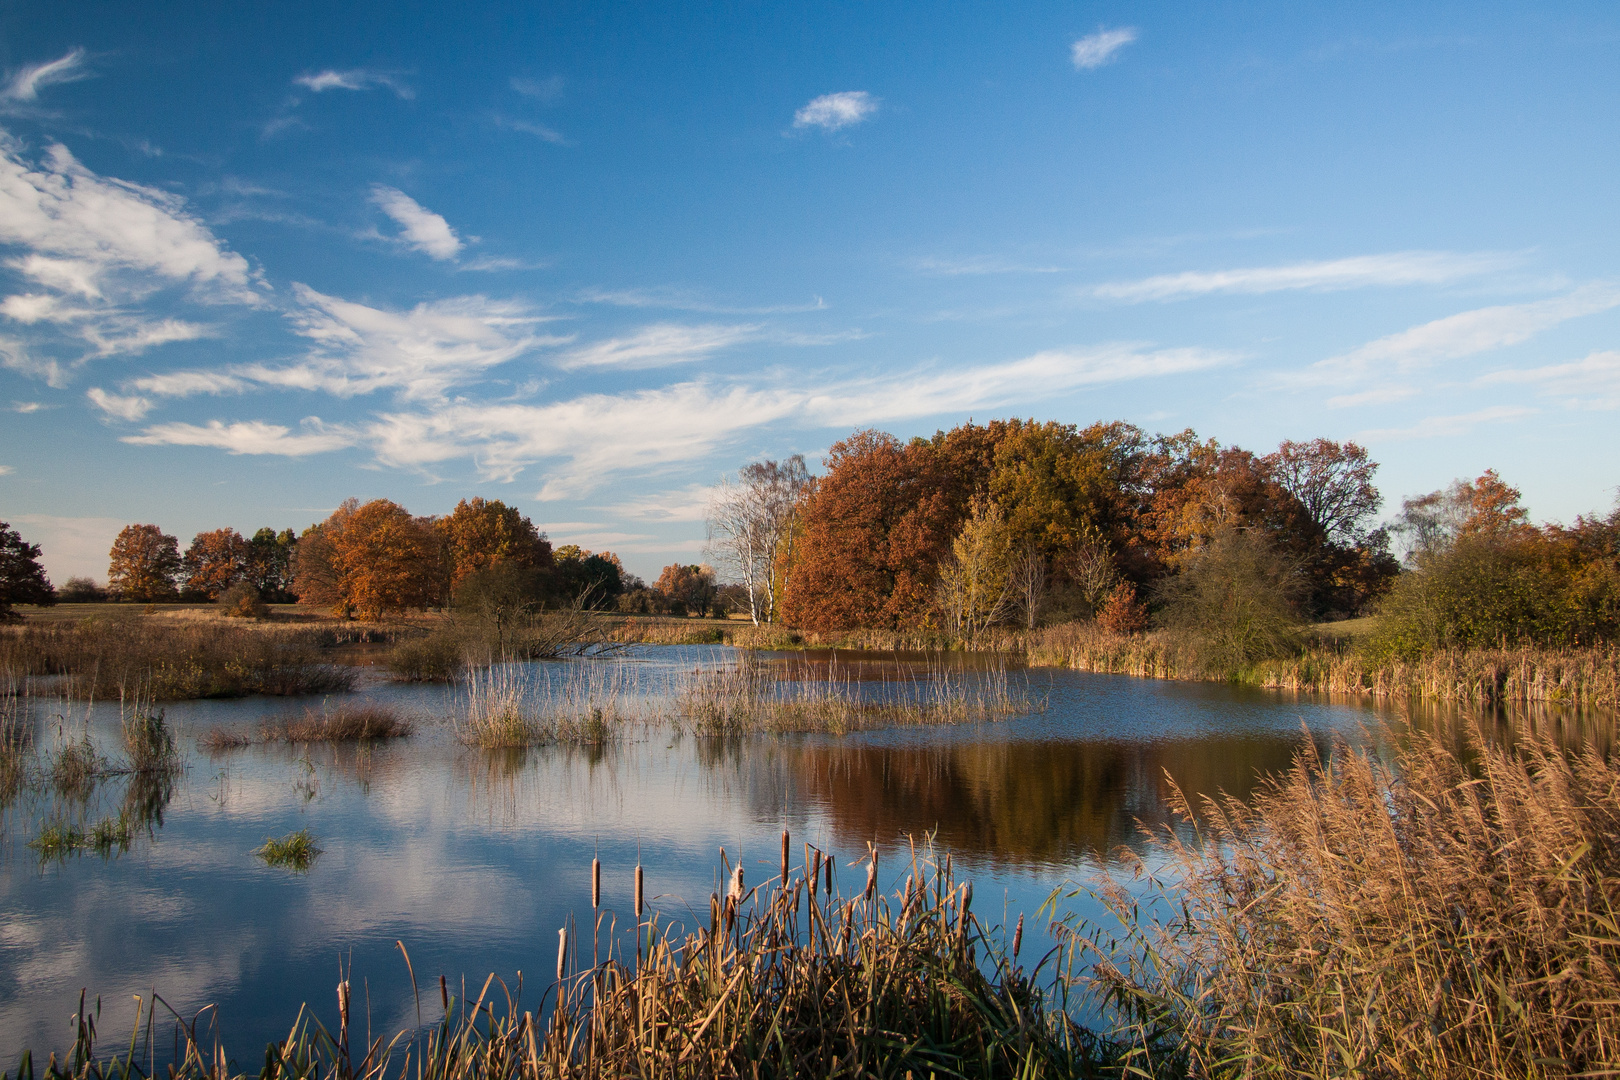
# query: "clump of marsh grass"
[[508, 706], [754, 695], [1437, 915], [297, 851], [148, 742], [349, 722], [75, 765], [58, 839]]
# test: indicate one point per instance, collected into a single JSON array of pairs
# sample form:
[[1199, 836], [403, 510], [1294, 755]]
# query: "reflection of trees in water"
[[499, 780], [1023, 802]]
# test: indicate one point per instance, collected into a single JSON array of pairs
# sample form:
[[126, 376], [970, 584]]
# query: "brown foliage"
[[1122, 613], [875, 529], [145, 563], [370, 560], [478, 534], [215, 561]]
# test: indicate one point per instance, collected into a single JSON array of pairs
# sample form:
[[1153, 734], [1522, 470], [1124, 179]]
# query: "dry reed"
[[1441, 916], [506, 706], [349, 722], [753, 695]]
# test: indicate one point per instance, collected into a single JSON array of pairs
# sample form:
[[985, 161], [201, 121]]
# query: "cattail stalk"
[[596, 883]]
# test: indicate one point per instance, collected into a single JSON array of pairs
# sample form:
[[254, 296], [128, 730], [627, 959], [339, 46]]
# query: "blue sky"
[[587, 259]]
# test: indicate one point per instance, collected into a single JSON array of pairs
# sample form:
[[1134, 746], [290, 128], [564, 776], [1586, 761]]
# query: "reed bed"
[[349, 722], [464, 644], [174, 659], [753, 695], [1587, 677], [507, 706], [792, 978], [673, 630], [1443, 915]]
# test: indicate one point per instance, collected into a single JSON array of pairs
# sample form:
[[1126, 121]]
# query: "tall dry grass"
[[752, 695], [348, 722], [1438, 915], [507, 706], [175, 659], [1587, 677]]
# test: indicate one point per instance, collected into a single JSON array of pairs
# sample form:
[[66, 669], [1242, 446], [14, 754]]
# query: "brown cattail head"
[[638, 892], [827, 866], [1018, 936], [784, 858], [871, 875], [562, 953], [962, 916], [814, 863], [596, 883]]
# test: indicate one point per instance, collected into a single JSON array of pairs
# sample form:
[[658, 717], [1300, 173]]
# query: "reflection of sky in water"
[[475, 860]]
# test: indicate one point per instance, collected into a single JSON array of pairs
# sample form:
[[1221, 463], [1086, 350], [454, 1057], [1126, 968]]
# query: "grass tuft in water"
[[506, 707], [354, 722], [297, 851]]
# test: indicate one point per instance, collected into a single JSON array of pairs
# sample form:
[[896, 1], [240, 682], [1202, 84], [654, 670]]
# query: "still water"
[[474, 859]]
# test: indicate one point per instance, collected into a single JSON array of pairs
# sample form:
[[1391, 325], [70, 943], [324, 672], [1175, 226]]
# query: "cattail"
[[967, 898], [827, 865], [596, 883], [638, 892], [784, 858], [1018, 936], [562, 953], [814, 862], [871, 876], [735, 892]]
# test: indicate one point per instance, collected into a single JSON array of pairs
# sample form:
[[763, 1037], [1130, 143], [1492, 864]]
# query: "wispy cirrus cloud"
[[183, 384], [420, 228], [1356, 272], [420, 353], [978, 265], [26, 83], [532, 127], [834, 112], [673, 299], [117, 406], [1095, 50], [1447, 427], [320, 82], [1592, 382], [249, 437], [658, 345]]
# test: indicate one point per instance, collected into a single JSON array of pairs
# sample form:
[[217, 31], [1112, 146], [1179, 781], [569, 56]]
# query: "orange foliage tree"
[[370, 560], [687, 588], [215, 561], [145, 561], [479, 534]]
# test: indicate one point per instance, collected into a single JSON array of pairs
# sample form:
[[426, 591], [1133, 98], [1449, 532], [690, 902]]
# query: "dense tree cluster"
[[1480, 574], [22, 578], [1022, 521]]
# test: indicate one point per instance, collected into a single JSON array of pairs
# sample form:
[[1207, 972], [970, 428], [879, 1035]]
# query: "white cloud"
[[26, 84], [1592, 382], [249, 437], [353, 79], [657, 346], [1445, 427], [1382, 395], [1472, 332], [978, 265], [6, 470], [189, 383], [422, 229], [830, 112], [16, 356], [421, 353], [690, 503], [114, 405], [27, 406], [674, 299], [119, 335], [1095, 50], [530, 127], [1360, 271]]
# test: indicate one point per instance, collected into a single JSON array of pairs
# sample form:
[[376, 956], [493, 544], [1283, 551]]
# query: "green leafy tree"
[[145, 565], [1237, 597], [269, 564], [22, 578], [975, 589]]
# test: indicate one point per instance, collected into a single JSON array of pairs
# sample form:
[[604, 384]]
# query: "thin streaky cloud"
[[833, 112], [1095, 50], [658, 345], [26, 84], [182, 384], [354, 79], [978, 265], [548, 89], [671, 299], [1383, 395], [530, 127], [1447, 427], [1593, 382], [1355, 272], [6, 470], [249, 437], [420, 227], [129, 408]]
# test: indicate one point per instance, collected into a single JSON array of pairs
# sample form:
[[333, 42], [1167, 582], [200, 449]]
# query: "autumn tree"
[[875, 527], [975, 587], [22, 578], [1237, 596], [215, 561], [1333, 484], [687, 588], [585, 578], [753, 526], [371, 560], [479, 534], [145, 564]]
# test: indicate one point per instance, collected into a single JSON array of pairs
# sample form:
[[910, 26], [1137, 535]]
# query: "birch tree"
[[752, 528]]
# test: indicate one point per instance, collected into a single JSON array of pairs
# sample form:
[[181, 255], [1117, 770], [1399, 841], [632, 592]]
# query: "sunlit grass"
[[297, 851]]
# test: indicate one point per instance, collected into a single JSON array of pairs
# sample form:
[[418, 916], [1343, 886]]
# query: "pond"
[[474, 859]]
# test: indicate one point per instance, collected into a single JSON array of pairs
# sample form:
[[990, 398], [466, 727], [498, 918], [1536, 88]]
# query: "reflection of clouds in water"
[[474, 860]]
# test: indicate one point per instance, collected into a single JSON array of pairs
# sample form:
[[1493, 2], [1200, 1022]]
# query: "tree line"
[[1022, 523], [367, 560]]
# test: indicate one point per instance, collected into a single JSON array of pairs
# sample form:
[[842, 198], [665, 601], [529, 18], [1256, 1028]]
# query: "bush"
[[81, 590], [242, 601], [1237, 598]]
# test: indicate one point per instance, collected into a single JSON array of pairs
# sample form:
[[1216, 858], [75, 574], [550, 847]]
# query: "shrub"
[[242, 601]]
